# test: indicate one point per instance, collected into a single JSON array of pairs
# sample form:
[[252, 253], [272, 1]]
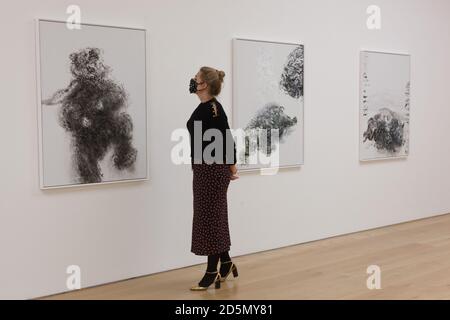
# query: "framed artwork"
[[384, 105], [92, 104], [268, 80]]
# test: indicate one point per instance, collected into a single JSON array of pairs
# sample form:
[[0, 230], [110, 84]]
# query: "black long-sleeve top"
[[212, 115]]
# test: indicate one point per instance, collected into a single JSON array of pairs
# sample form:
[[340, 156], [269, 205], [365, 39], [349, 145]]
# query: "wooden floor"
[[414, 258]]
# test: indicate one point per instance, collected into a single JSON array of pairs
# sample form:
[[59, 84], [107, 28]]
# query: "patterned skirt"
[[210, 231]]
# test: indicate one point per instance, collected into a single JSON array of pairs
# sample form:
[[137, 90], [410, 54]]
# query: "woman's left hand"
[[233, 170]]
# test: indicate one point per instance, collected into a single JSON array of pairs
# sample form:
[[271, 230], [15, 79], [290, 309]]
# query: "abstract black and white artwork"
[[92, 104], [268, 81], [384, 105]]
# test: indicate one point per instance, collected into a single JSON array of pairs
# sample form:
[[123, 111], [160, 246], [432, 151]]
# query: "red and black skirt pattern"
[[210, 231]]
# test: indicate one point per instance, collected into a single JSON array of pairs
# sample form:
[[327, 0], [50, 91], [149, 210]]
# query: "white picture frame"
[[240, 76], [142, 174], [384, 105]]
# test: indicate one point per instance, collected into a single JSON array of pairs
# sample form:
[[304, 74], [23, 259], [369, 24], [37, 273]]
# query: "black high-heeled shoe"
[[233, 269], [215, 280]]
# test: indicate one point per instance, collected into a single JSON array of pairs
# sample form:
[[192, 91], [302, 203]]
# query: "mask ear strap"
[[199, 83]]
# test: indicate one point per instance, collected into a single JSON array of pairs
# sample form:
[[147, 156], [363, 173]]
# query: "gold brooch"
[[214, 107]]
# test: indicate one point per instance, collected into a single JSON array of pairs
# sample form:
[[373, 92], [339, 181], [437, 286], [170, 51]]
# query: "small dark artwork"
[[384, 105], [292, 76], [386, 130], [271, 116], [92, 111]]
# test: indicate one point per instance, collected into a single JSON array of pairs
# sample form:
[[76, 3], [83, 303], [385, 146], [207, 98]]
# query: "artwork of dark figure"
[[386, 130], [292, 76], [269, 95], [384, 105], [92, 111], [271, 116]]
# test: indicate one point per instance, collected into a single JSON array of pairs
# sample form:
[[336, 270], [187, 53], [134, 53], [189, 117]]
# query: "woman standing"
[[210, 231]]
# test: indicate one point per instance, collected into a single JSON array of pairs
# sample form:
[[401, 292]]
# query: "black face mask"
[[193, 86]]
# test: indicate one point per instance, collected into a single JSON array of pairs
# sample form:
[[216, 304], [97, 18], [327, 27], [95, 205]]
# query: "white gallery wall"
[[119, 231]]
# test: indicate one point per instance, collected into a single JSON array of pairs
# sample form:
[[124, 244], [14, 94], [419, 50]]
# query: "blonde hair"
[[214, 79]]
